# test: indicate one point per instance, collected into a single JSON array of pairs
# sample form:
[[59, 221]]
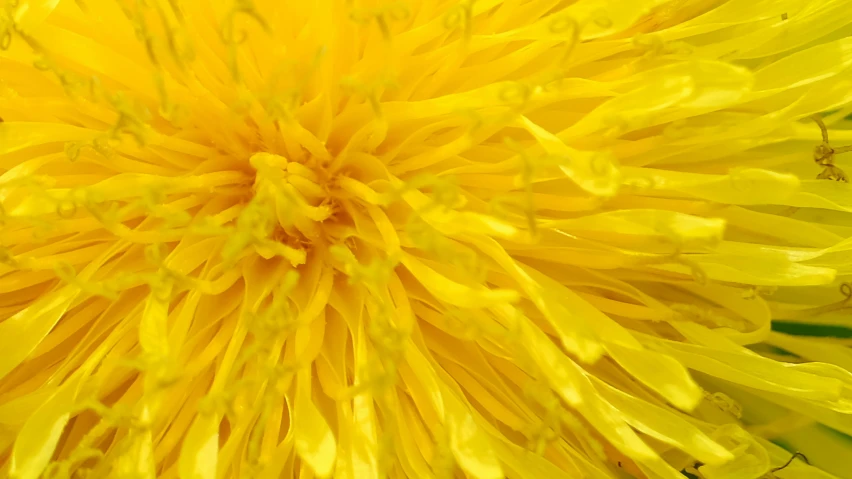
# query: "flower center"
[[294, 195]]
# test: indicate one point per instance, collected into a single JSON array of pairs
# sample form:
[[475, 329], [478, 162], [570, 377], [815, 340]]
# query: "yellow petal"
[[452, 292], [153, 331], [469, 444], [138, 459], [21, 333], [314, 440], [40, 434], [751, 459], [592, 171], [200, 449], [15, 136], [664, 425], [659, 372], [31, 13]]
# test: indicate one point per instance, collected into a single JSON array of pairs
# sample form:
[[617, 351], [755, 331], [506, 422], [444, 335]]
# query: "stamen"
[[725, 403], [232, 39], [567, 26], [461, 16], [602, 19], [7, 23], [790, 461], [67, 273], [528, 171], [176, 39], [279, 316], [132, 119], [376, 273], [824, 155], [7, 258]]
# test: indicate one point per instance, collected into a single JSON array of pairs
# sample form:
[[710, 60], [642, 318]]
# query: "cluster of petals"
[[425, 238]]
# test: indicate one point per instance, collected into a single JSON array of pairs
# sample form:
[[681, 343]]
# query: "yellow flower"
[[425, 238]]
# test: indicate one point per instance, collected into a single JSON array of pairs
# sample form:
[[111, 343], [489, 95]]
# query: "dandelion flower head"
[[425, 238]]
